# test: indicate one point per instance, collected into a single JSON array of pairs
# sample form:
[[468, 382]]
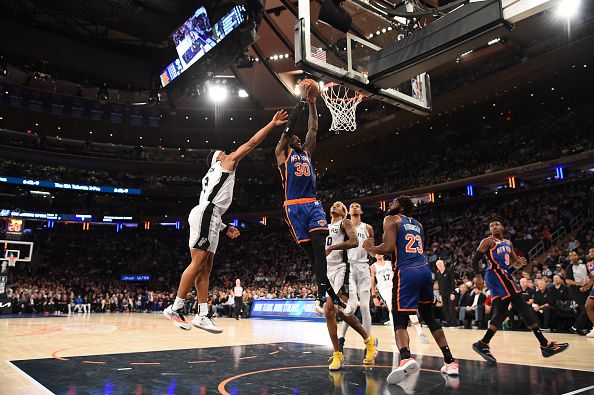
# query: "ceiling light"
[[217, 93], [242, 93], [568, 8]]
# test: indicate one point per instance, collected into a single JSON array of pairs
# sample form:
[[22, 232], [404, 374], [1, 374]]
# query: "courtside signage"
[[284, 308]]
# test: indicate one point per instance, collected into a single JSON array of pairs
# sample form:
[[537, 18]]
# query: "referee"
[[238, 297]]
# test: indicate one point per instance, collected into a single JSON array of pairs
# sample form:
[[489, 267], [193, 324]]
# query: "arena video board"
[[196, 37], [70, 186], [284, 308]]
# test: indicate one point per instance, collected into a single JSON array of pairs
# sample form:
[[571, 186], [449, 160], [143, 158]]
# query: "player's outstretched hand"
[[280, 118], [368, 244], [232, 232]]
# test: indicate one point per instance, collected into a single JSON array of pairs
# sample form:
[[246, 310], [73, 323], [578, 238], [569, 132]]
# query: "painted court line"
[[29, 378], [579, 390]]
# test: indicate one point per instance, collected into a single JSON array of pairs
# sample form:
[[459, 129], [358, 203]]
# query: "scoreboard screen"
[[15, 226]]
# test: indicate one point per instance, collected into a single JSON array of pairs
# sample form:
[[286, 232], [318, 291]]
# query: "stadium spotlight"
[[242, 93], [568, 8], [217, 93]]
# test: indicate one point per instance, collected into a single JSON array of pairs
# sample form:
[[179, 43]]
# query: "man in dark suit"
[[447, 290], [463, 301], [477, 298]]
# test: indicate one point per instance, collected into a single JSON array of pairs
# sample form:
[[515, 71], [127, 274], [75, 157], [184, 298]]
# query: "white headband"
[[215, 157]]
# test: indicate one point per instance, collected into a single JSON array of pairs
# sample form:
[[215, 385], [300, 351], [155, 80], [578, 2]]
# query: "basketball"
[[314, 88]]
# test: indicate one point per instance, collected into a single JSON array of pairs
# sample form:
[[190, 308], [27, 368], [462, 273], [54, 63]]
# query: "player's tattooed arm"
[[391, 226], [312, 125], [352, 242]]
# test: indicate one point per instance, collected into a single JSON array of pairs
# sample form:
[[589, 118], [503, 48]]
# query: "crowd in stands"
[[79, 271], [444, 158]]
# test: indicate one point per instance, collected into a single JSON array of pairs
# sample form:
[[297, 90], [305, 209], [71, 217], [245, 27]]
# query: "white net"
[[342, 103]]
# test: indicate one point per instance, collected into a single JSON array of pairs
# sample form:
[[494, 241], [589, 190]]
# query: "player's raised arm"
[[391, 226], [312, 125], [232, 160], [285, 139]]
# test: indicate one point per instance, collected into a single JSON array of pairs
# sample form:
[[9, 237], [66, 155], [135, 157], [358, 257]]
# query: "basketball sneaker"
[[407, 367], [370, 350], [451, 369], [318, 308], [484, 351], [591, 333], [341, 341], [203, 322], [336, 361], [177, 317], [553, 348]]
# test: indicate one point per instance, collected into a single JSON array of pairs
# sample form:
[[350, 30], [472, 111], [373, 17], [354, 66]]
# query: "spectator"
[[576, 276], [447, 290]]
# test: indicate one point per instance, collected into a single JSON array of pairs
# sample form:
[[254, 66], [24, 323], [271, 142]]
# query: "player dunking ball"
[[206, 223], [504, 290], [342, 238], [412, 285], [303, 212]]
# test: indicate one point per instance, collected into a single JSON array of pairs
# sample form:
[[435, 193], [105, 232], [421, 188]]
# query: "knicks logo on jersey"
[[503, 249], [296, 157], [322, 222]]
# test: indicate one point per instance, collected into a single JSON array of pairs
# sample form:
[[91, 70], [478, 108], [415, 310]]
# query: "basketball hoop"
[[11, 260], [342, 103]]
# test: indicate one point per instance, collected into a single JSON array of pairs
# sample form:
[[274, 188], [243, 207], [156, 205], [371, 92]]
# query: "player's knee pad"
[[426, 313], [400, 321]]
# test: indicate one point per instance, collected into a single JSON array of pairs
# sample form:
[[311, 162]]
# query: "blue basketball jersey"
[[298, 176], [410, 240], [499, 256]]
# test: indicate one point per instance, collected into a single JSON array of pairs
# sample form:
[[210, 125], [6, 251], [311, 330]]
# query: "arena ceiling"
[[139, 29]]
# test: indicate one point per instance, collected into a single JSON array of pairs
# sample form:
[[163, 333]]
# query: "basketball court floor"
[[146, 354]]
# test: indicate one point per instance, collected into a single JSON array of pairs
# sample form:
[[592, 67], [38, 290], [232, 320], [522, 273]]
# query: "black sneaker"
[[553, 348], [341, 344], [484, 351]]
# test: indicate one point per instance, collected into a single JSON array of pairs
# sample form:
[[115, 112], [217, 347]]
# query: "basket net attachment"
[[342, 103]]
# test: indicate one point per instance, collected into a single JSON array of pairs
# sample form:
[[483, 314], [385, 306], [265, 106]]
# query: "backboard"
[[342, 58], [23, 250]]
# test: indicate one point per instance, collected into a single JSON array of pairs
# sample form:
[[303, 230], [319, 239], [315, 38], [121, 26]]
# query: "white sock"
[[203, 309], [415, 321], [178, 304]]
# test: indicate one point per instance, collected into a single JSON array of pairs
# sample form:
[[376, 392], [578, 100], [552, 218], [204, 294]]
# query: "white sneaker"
[[451, 369], [591, 333], [177, 318], [318, 310], [203, 322], [407, 367]]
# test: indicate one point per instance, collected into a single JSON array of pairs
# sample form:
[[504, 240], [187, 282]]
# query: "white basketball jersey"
[[359, 254], [335, 236], [217, 187], [384, 274]]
